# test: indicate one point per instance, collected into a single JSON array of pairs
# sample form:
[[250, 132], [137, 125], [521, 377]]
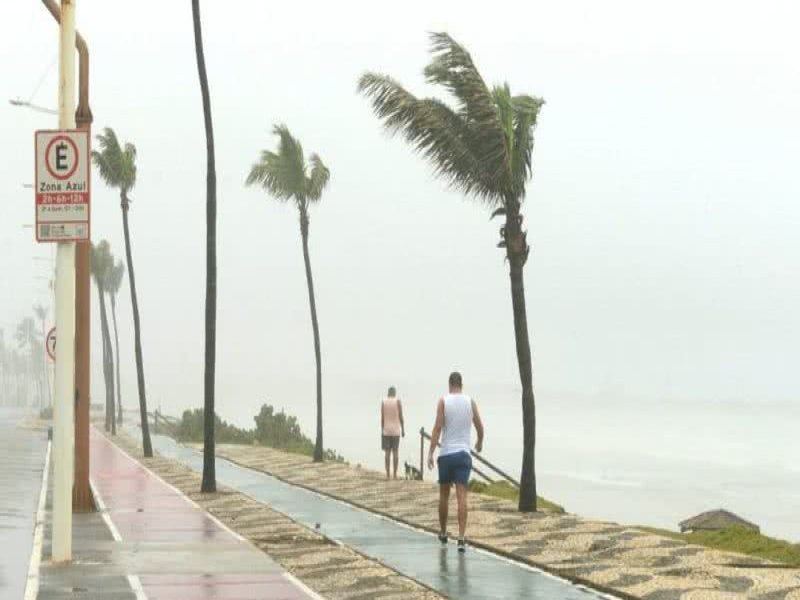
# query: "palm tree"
[[102, 263], [209, 482], [286, 176], [117, 167], [115, 277], [41, 314], [483, 147], [28, 341]]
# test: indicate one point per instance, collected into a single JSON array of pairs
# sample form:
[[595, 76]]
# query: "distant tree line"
[[23, 369]]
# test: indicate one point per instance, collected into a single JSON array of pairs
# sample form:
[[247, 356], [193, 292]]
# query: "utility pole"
[[63, 409], [83, 501]]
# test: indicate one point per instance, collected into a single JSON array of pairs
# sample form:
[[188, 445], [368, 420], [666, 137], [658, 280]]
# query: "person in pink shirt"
[[392, 428]]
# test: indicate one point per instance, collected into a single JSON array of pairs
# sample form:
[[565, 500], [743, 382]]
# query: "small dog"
[[412, 472]]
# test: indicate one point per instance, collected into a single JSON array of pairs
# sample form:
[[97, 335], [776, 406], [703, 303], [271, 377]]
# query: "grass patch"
[[503, 489], [738, 539]]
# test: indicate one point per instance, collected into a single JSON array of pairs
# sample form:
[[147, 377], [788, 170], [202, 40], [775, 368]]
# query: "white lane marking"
[[103, 510], [32, 582], [303, 586], [191, 502], [133, 580], [180, 493]]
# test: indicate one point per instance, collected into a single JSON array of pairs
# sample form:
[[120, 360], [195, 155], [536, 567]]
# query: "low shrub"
[[273, 429], [190, 429]]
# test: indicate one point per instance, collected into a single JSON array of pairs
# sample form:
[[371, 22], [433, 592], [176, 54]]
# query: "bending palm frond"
[[117, 166], [318, 178]]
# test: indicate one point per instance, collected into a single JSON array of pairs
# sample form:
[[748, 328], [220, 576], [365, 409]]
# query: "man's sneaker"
[[462, 546], [443, 538]]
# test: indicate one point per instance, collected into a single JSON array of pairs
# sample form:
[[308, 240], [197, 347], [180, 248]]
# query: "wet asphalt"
[[22, 457]]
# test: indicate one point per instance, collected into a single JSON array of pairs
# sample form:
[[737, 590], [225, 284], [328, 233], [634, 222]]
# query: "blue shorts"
[[455, 468]]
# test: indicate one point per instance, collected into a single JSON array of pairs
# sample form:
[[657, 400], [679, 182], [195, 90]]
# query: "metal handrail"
[[425, 436]]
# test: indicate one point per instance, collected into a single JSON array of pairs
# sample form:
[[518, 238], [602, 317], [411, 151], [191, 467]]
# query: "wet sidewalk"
[[625, 561], [334, 570], [474, 575], [23, 451], [149, 541]]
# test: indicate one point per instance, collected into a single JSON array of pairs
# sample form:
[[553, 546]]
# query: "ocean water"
[[627, 461]]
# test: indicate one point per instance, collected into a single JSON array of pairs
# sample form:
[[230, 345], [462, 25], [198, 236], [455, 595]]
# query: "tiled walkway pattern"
[[627, 561]]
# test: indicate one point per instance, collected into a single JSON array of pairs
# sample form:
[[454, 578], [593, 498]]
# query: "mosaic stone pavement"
[[333, 571], [624, 561]]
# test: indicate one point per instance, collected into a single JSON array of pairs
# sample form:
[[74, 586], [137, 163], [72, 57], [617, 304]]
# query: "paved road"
[[22, 456]]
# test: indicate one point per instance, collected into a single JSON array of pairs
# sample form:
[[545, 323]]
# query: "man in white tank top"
[[455, 416]]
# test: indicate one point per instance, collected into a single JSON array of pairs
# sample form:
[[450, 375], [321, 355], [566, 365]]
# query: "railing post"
[[422, 453]]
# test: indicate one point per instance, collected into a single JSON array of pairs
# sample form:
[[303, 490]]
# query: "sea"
[[628, 461]]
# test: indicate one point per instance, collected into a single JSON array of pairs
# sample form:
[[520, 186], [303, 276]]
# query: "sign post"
[[62, 215]]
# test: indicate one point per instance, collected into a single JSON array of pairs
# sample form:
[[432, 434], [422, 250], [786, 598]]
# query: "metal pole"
[[82, 493], [83, 501], [63, 410]]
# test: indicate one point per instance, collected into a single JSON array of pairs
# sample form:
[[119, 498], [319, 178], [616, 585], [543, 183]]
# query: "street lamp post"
[[83, 501], [63, 409]]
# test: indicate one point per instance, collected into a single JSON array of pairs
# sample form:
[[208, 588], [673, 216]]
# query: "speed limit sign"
[[51, 344]]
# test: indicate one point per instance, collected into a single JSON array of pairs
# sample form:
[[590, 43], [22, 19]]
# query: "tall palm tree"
[[209, 482], [102, 263], [117, 167], [41, 314], [28, 341], [115, 277], [482, 146], [287, 176]]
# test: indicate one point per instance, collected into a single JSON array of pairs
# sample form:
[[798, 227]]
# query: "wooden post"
[[422, 453]]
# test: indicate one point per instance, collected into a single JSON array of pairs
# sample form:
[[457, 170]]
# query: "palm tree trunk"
[[146, 444], [116, 356], [108, 368], [318, 447], [517, 252], [209, 483], [46, 377]]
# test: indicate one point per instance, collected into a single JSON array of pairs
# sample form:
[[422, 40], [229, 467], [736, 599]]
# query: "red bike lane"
[[175, 549]]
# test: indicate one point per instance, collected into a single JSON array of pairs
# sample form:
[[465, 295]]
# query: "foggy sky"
[[663, 212]]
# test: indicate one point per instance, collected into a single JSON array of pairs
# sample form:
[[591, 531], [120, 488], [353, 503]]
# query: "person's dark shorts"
[[390, 442], [455, 468]]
